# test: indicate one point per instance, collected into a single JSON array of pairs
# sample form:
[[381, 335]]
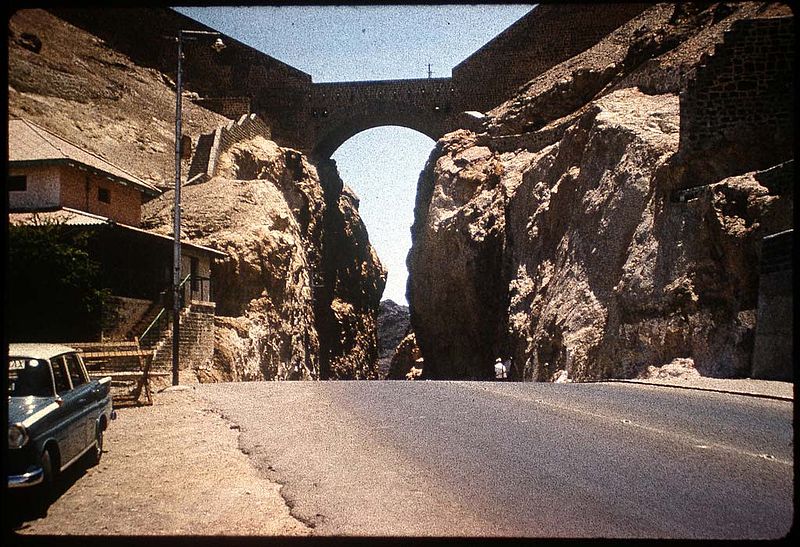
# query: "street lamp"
[[176, 227]]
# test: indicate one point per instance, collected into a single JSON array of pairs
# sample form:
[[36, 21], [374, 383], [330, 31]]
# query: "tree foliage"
[[53, 285]]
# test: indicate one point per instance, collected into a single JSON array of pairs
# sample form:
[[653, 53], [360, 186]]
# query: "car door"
[[71, 428], [83, 395]]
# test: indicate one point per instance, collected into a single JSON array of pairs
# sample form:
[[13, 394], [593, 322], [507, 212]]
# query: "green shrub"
[[53, 285]]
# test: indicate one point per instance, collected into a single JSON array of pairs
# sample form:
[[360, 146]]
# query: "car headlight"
[[17, 436]]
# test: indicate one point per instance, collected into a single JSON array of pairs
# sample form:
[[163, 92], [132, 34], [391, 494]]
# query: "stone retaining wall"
[[773, 349], [196, 342], [211, 145], [779, 179], [230, 107], [738, 109]]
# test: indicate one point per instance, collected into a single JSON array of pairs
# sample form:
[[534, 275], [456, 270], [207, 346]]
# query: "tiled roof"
[[31, 143], [73, 217]]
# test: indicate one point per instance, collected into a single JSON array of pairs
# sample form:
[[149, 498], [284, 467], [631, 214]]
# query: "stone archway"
[[335, 112], [336, 132]]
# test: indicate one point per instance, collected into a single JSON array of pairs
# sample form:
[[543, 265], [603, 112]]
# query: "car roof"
[[38, 351]]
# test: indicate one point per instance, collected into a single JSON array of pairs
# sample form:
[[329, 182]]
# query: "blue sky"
[[345, 43]]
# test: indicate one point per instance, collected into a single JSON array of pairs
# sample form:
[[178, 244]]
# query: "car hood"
[[23, 408]]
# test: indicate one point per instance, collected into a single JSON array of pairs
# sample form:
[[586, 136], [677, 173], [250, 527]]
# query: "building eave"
[[150, 191]]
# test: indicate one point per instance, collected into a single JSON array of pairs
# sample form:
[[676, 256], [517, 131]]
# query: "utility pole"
[[176, 217], [430, 73], [176, 212]]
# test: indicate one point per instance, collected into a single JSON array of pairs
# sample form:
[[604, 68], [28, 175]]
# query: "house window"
[[103, 195], [17, 183]]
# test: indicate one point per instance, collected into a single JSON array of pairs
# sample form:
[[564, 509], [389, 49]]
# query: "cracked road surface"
[[518, 459]]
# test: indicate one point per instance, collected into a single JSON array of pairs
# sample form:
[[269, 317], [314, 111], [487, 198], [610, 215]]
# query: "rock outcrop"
[[298, 297], [406, 362], [555, 235], [393, 325]]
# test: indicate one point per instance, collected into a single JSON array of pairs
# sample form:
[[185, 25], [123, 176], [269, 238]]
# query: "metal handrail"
[[151, 325], [162, 311], [185, 279]]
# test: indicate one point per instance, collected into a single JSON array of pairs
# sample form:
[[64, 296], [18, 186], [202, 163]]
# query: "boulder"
[[407, 360]]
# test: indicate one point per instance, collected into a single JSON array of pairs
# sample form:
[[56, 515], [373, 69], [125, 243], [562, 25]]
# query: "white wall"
[[44, 188]]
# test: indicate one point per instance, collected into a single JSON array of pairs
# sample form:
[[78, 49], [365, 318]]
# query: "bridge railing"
[[410, 90]]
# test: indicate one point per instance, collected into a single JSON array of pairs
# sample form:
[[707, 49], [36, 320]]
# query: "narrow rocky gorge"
[[553, 234], [393, 327]]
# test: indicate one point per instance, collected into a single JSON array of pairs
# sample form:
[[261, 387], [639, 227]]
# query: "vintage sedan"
[[56, 413]]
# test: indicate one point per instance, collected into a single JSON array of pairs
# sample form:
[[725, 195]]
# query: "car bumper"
[[31, 478]]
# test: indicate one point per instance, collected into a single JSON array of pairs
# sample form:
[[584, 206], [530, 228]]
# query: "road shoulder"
[[767, 389], [173, 468]]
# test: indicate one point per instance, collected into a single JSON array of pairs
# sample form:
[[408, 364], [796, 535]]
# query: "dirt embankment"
[[74, 84]]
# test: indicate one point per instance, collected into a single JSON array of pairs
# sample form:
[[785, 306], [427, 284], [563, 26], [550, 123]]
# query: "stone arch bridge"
[[334, 112], [316, 118]]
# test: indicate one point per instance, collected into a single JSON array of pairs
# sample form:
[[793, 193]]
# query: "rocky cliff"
[[552, 233], [299, 294], [393, 325]]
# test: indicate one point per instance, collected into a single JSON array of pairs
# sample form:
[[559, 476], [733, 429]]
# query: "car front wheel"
[[47, 468], [97, 450], [49, 476]]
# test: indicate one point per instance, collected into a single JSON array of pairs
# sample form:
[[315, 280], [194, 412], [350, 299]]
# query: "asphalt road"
[[519, 459]]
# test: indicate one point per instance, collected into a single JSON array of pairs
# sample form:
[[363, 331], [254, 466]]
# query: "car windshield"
[[29, 377]]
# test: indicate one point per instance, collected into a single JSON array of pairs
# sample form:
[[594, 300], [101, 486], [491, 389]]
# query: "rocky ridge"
[[550, 234]]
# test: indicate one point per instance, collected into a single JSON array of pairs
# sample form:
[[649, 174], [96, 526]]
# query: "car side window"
[[76, 372], [60, 374]]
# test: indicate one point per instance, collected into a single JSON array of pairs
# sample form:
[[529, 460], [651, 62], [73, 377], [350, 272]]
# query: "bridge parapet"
[[323, 97]]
